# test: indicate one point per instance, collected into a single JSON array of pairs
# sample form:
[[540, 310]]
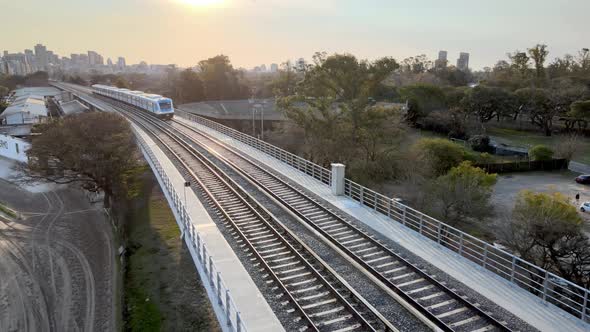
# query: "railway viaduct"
[[284, 244]]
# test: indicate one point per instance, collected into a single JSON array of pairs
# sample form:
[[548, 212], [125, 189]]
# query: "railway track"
[[443, 306], [311, 292]]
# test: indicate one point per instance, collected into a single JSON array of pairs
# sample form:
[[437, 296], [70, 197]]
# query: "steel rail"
[[232, 186], [269, 185]]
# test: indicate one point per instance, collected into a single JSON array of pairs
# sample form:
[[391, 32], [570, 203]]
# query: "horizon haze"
[[252, 32]]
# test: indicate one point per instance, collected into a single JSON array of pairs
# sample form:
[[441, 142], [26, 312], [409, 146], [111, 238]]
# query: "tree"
[[546, 229], [3, 91], [285, 84], [422, 99], [540, 152], [568, 146], [334, 101], [440, 155], [122, 83], [580, 110], [95, 149], [487, 103], [539, 105], [539, 54], [221, 80], [519, 63], [463, 193], [189, 87]]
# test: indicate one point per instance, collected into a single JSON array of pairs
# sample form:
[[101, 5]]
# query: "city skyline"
[[272, 31]]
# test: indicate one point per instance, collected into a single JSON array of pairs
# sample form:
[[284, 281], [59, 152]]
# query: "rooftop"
[[235, 109]]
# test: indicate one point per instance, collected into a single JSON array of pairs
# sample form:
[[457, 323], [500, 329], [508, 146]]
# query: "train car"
[[156, 105]]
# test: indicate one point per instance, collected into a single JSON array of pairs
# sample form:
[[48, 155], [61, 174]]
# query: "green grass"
[[162, 290], [7, 211], [529, 139]]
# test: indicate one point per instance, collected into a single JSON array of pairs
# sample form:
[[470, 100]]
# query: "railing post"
[[439, 233], [545, 282], [461, 244], [361, 196], [238, 322], [404, 215], [389, 201], [513, 269], [211, 271], [421, 224], [219, 289], [584, 306], [485, 255], [375, 203], [205, 260], [227, 308]]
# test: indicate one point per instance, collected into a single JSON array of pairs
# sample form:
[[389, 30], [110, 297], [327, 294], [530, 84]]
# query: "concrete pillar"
[[338, 179]]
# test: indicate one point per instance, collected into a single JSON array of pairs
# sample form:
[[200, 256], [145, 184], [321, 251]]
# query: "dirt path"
[[56, 265]]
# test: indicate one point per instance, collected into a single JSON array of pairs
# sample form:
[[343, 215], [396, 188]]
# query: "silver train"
[[159, 106]]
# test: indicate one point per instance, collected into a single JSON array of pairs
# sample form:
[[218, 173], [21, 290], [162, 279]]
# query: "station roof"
[[235, 109], [37, 91], [31, 106], [72, 107]]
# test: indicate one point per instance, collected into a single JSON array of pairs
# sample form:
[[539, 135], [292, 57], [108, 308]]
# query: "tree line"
[[212, 79]]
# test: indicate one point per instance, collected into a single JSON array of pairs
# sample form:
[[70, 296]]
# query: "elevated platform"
[[255, 312], [545, 317]]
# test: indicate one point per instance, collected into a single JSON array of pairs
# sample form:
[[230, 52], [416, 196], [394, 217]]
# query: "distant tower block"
[[338, 179]]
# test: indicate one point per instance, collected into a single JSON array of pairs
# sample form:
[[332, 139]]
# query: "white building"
[[25, 110], [13, 148]]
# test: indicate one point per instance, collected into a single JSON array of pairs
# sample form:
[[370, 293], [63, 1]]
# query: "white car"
[[585, 207]]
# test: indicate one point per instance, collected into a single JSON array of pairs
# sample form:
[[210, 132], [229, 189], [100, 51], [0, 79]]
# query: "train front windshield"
[[165, 106]]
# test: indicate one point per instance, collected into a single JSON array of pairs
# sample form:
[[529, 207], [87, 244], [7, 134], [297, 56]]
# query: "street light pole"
[[262, 122]]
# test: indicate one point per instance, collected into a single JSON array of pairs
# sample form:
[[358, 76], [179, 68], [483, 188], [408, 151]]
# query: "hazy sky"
[[253, 32]]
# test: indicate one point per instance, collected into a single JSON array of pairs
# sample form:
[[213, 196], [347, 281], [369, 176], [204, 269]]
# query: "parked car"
[[585, 207], [583, 179]]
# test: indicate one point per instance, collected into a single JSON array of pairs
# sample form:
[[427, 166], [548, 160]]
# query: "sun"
[[202, 3]]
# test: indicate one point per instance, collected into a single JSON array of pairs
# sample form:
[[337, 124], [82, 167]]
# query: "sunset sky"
[[252, 32]]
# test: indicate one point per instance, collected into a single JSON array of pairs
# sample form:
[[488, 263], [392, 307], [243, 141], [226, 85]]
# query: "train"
[[159, 106]]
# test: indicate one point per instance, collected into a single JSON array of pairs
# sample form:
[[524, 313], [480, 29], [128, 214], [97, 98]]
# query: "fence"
[[289, 158], [193, 238], [526, 165], [542, 283]]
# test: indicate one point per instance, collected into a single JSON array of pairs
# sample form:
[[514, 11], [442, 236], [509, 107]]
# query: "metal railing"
[[293, 160], [193, 238], [546, 285]]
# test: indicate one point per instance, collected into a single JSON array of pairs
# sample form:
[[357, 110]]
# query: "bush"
[[480, 143], [441, 154], [444, 122], [485, 158], [540, 152]]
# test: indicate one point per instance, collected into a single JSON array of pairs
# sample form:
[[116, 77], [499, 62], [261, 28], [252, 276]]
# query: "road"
[[509, 185], [57, 265]]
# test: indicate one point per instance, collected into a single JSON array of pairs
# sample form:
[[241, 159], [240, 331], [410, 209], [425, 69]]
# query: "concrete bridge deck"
[[543, 316]]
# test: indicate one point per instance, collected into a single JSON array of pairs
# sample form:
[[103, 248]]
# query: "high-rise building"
[[441, 62], [263, 67], [92, 58], [121, 63], [463, 61], [109, 62], [274, 67], [41, 56]]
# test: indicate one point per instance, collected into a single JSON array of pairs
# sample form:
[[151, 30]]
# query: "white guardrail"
[[194, 239], [540, 282]]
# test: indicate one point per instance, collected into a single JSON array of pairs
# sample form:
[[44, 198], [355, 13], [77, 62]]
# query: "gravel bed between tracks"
[[391, 309], [514, 322]]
